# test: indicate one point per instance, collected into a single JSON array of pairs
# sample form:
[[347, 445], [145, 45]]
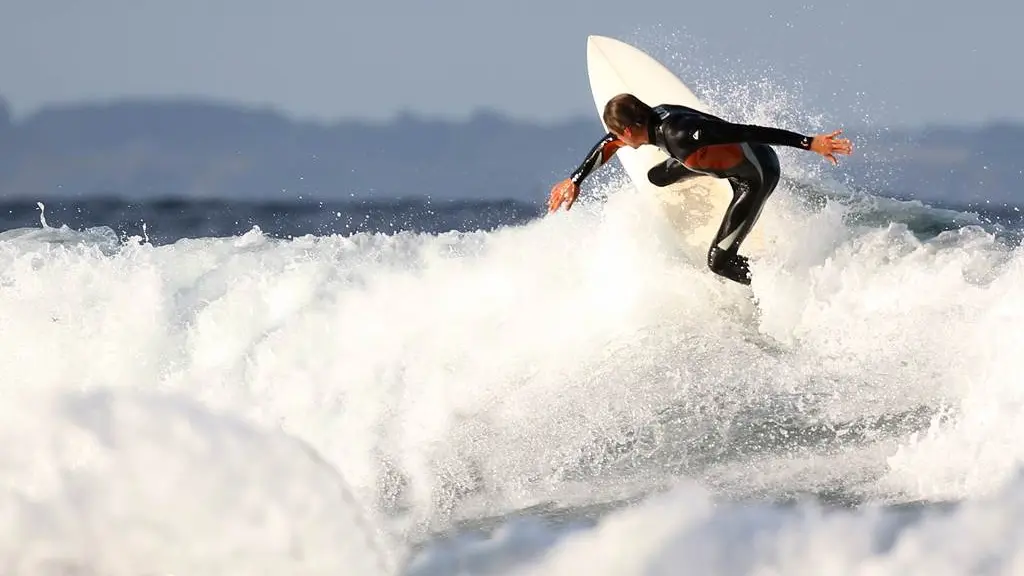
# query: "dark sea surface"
[[171, 219]]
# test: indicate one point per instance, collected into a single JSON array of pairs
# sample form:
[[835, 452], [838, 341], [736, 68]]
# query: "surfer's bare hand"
[[564, 192], [828, 146]]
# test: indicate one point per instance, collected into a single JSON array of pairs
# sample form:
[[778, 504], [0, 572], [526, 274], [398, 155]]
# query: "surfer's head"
[[626, 116]]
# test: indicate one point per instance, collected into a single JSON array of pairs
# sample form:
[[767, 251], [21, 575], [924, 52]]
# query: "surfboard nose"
[[598, 44]]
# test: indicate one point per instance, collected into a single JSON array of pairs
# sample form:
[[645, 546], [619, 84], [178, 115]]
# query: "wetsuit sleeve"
[[599, 154], [710, 131]]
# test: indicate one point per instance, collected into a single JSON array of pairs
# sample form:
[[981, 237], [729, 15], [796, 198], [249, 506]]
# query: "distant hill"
[[173, 149]]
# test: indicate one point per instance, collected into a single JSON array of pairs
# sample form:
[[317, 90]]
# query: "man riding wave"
[[700, 144]]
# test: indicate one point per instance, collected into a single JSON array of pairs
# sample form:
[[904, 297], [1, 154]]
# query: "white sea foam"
[[150, 392]]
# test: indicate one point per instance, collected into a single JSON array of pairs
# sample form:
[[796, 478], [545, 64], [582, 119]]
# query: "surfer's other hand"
[[564, 192], [828, 146]]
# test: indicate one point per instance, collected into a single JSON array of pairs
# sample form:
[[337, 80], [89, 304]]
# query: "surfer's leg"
[[669, 172], [752, 183]]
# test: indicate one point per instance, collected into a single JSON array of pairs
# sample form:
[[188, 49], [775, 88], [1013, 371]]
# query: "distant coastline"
[[143, 150]]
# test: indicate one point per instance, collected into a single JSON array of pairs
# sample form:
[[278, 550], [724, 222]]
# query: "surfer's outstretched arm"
[[566, 191], [707, 131], [598, 155]]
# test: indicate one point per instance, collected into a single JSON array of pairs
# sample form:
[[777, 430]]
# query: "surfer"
[[699, 144]]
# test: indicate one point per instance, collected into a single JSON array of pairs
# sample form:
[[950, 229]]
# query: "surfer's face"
[[634, 137]]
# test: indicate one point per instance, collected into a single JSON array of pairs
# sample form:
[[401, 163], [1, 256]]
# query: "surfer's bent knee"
[[669, 172]]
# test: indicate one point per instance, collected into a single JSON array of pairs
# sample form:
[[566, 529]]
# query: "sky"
[[876, 61]]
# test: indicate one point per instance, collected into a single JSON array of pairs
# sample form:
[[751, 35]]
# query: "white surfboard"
[[695, 206]]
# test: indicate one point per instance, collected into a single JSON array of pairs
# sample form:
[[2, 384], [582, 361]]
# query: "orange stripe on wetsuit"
[[715, 158]]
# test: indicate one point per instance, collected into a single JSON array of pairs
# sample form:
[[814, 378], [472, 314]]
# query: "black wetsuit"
[[747, 161]]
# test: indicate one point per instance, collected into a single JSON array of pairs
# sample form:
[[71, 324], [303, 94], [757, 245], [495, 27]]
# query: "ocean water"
[[427, 388]]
